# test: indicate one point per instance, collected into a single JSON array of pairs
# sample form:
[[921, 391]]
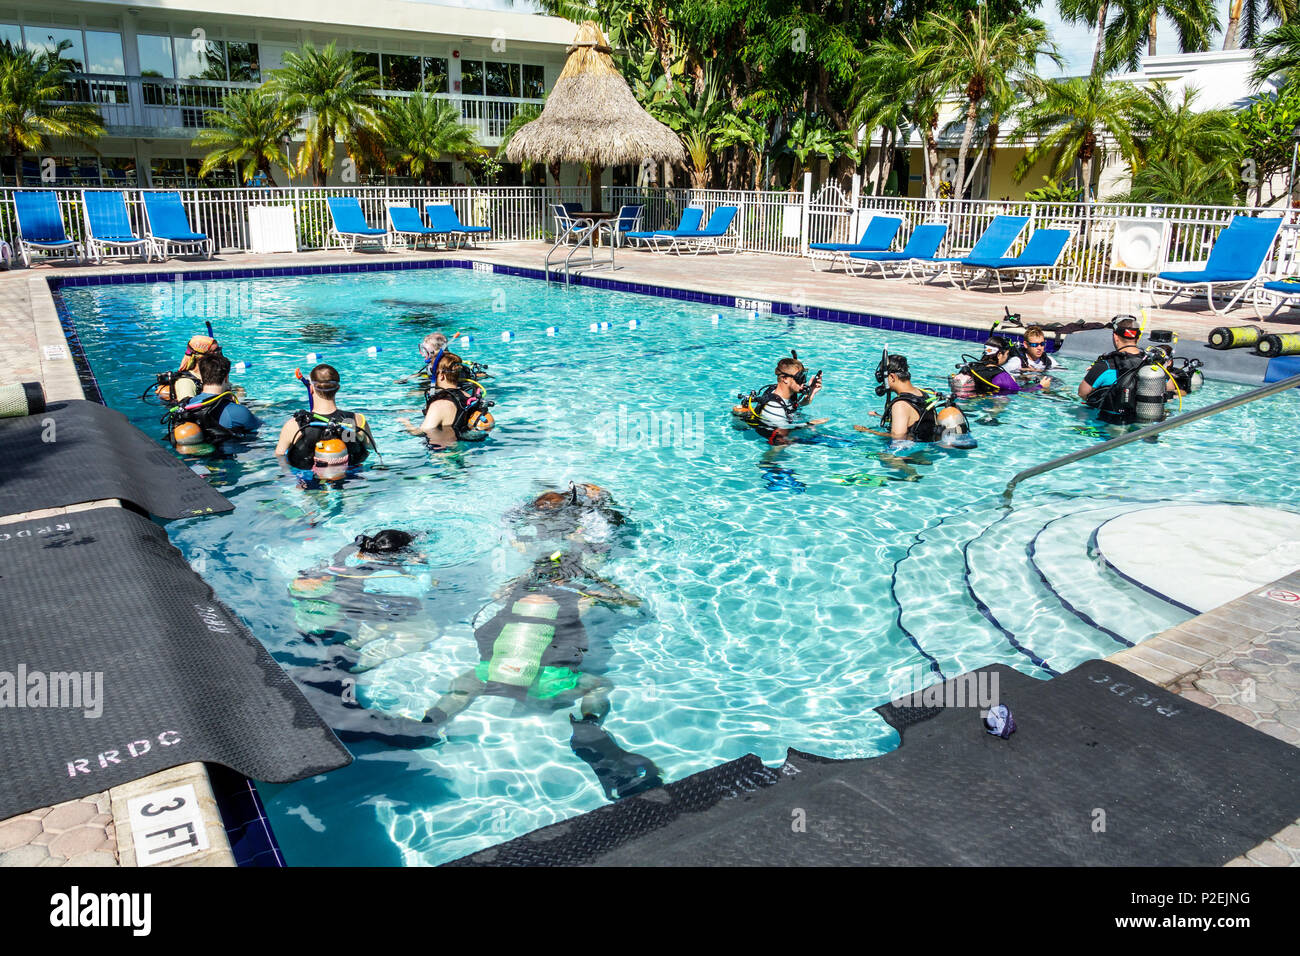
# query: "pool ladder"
[[585, 231], [1186, 418]]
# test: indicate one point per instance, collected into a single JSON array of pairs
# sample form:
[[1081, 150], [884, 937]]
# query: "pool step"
[[937, 610], [1062, 552], [1021, 587]]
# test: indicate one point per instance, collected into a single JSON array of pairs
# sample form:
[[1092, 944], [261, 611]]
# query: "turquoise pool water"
[[768, 576]]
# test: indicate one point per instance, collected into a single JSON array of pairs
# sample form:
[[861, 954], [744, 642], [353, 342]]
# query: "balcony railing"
[[160, 107]]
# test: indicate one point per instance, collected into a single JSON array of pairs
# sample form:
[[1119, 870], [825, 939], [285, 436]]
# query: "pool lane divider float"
[[1096, 736], [114, 625], [78, 451]]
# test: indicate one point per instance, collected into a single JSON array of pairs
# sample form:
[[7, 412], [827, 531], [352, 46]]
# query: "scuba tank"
[[961, 384], [1242, 336], [1284, 343], [331, 459], [1149, 403]]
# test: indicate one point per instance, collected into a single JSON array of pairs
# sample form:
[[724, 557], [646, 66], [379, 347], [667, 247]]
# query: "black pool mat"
[[81, 451], [1105, 769], [103, 591]]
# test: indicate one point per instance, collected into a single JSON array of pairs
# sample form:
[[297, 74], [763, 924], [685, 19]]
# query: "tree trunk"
[[959, 179], [1101, 33], [1151, 34], [1087, 179], [596, 172], [1234, 22]]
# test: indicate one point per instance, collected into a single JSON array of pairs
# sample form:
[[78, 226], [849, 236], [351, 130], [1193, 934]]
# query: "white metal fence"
[[777, 223]]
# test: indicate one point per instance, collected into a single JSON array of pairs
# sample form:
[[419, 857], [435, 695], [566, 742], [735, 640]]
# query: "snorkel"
[[311, 400]]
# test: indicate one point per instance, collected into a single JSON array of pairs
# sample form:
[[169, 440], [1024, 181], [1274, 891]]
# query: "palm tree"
[[810, 135], [420, 129], [1170, 130], [747, 131], [890, 77], [1091, 12], [1068, 118], [337, 97], [1278, 52], [982, 59], [30, 83], [248, 132], [1194, 21], [1185, 179], [1246, 20], [697, 121], [526, 113]]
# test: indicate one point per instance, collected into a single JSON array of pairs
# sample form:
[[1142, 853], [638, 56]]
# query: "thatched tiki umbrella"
[[592, 117]]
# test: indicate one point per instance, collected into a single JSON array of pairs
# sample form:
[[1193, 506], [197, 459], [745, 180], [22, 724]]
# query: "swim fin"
[[621, 774]]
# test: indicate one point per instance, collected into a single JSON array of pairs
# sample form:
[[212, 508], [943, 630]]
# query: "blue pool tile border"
[[842, 316]]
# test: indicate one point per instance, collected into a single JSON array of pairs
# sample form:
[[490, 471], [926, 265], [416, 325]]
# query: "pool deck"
[[1242, 659]]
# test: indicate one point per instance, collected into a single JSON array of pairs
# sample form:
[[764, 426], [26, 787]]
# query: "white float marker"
[[594, 327], [314, 358], [507, 336], [717, 317], [465, 340], [604, 326], [373, 350], [753, 313], [634, 323], [552, 331], [241, 366]]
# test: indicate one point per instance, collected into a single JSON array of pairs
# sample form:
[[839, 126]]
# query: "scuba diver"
[[1129, 384], [323, 438], [771, 411], [431, 348], [1031, 359], [987, 376], [914, 414], [455, 406], [213, 415], [184, 382], [338, 608], [534, 646]]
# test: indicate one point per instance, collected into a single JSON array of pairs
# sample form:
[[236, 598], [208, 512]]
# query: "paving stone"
[[1269, 854], [1217, 687], [1241, 861], [98, 858], [1237, 712], [1268, 656], [24, 856], [1290, 837], [1289, 717], [71, 814], [17, 831], [1199, 697], [1282, 732], [81, 840]]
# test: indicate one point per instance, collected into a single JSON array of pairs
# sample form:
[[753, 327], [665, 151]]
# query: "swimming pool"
[[785, 592]]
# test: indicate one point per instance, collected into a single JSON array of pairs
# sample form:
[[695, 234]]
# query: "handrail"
[[575, 224], [1263, 391]]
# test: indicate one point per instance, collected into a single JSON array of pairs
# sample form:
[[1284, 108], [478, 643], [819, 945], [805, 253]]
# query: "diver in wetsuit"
[[324, 437], [533, 648], [357, 628]]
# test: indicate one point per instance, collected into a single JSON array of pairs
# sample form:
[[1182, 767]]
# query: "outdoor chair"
[[690, 222], [442, 215], [1237, 259], [349, 224], [877, 237], [1041, 254], [108, 226], [169, 226], [715, 233], [40, 225], [923, 243], [993, 244]]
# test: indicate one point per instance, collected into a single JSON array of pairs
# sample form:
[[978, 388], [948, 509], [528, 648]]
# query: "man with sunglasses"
[[1031, 359], [772, 411]]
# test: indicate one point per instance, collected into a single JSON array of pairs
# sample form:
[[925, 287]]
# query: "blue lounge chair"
[[1237, 259], [348, 224], [572, 208], [993, 244], [169, 225], [715, 231], [1041, 253], [108, 225], [923, 243], [626, 222], [877, 237], [406, 221], [40, 225], [442, 215], [690, 222]]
